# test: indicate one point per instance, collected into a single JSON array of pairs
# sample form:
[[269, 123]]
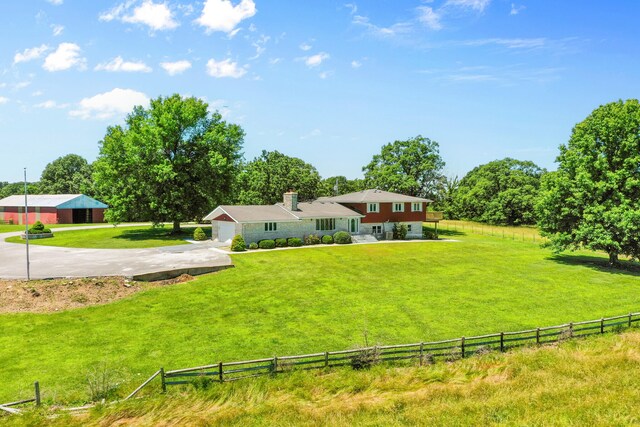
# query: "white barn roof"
[[59, 201], [373, 196]]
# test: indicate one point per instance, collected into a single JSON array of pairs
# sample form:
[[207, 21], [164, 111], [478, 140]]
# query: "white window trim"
[[376, 210], [413, 206], [373, 229], [275, 227], [393, 207]]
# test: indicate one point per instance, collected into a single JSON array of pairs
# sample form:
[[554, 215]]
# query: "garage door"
[[226, 231]]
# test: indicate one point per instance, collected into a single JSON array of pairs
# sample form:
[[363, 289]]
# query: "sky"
[[327, 81]]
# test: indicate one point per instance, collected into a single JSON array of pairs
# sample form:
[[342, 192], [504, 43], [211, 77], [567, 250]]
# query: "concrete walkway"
[[140, 264]]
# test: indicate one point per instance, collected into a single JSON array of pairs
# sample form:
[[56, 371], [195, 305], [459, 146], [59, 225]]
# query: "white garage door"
[[226, 231]]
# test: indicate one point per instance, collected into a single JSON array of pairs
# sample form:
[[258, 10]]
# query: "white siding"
[[254, 232]]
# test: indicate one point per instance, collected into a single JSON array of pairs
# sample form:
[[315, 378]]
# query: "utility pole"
[[26, 222]]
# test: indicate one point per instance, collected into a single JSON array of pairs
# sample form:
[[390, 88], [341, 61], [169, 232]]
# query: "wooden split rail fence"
[[11, 406], [421, 353]]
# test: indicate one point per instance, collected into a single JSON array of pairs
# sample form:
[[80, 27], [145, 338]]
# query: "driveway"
[[141, 264]]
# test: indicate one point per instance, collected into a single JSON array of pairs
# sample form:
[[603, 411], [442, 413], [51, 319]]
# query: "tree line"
[[174, 161]]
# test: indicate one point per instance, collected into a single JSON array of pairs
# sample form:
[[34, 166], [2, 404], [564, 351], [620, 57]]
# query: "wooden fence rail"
[[422, 352], [9, 407]]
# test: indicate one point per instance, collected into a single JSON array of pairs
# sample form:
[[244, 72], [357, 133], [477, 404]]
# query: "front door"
[[354, 225]]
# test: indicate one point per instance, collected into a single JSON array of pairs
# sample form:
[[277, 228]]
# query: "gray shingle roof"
[[70, 201], [277, 212], [373, 196]]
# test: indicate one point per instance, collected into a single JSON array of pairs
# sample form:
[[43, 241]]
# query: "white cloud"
[[157, 16], [394, 30], [259, 45], [115, 103], [478, 5], [305, 46], [274, 61], [429, 17], [21, 85], [516, 9], [30, 54], [57, 29], [315, 60], [314, 133], [353, 8], [56, 2], [356, 64], [37, 93], [117, 64], [225, 68], [50, 104], [66, 56], [222, 15], [510, 43], [325, 74], [3, 100], [177, 67]]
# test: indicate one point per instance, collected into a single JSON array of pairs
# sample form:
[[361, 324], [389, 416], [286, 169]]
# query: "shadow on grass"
[[627, 268], [164, 234], [450, 233]]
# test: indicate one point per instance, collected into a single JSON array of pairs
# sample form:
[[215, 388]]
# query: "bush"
[[198, 235], [400, 231], [327, 239], [266, 244], [281, 243], [429, 233], [312, 239], [294, 242], [342, 238], [238, 244], [39, 228], [253, 245]]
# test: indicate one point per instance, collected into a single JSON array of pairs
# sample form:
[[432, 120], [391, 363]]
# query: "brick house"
[[366, 212], [52, 209]]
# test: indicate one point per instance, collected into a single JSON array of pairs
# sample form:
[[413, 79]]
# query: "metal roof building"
[[52, 209]]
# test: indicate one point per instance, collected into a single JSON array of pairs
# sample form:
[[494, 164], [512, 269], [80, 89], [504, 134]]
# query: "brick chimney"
[[291, 200]]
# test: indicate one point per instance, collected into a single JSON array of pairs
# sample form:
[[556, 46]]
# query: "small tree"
[[238, 244], [199, 234]]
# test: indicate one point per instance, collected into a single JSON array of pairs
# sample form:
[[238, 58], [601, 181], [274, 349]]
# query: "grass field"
[[116, 238], [585, 382], [5, 228], [316, 299]]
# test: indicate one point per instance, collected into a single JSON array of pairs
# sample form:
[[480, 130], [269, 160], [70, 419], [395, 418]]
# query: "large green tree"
[[337, 185], [593, 200], [13, 188], [70, 174], [499, 192], [412, 167], [265, 178], [173, 161]]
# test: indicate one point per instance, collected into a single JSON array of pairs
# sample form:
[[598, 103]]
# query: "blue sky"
[[327, 81]]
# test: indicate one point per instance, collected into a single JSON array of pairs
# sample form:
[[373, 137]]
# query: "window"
[[325, 224], [398, 207], [409, 227], [376, 229], [270, 226], [416, 207], [373, 207]]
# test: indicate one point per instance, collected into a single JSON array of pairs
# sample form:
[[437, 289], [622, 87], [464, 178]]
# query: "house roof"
[[278, 213], [373, 196], [60, 201]]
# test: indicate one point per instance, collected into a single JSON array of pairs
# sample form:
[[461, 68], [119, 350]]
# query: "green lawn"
[[5, 228], [309, 300], [115, 238]]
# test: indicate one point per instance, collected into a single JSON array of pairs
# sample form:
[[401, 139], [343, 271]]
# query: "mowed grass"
[[311, 300], [578, 383], [5, 228], [115, 238]]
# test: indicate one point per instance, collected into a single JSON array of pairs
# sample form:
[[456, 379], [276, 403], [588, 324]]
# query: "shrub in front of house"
[[294, 242], [342, 238], [281, 243], [400, 231], [238, 244], [327, 239], [39, 228], [266, 244], [429, 233], [198, 235], [312, 239], [253, 245]]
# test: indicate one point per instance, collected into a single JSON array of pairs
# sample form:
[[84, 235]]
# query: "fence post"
[[462, 346], [37, 387], [326, 359], [602, 325], [220, 372], [275, 364], [164, 384], [502, 341], [571, 330], [630, 314], [421, 352], [537, 335]]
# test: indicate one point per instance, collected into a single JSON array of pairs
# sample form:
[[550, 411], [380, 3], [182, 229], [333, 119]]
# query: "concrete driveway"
[[140, 264]]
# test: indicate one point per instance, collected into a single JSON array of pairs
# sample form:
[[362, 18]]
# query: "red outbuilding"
[[52, 209]]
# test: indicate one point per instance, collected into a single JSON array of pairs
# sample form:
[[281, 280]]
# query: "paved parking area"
[[141, 264]]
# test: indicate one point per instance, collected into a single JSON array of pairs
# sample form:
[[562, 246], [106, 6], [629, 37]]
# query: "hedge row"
[[341, 237]]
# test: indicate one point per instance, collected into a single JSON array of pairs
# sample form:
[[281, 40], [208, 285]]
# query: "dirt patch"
[[46, 296]]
